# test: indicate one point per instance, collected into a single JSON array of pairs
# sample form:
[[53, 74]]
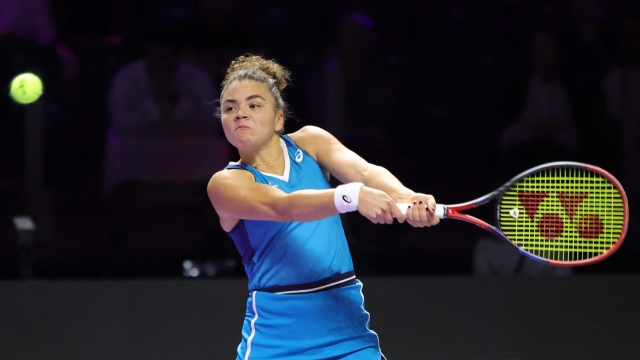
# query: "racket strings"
[[563, 214]]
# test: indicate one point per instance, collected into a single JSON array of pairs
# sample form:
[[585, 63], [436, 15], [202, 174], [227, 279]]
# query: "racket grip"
[[439, 210]]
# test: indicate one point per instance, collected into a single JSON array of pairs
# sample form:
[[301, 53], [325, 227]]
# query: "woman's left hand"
[[421, 211]]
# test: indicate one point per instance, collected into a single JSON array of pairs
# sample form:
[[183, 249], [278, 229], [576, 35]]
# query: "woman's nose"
[[240, 115]]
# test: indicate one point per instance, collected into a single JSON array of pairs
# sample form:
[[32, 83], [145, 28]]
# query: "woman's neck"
[[266, 156]]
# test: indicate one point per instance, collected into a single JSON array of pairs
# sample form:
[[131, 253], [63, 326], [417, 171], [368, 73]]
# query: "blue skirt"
[[330, 324]]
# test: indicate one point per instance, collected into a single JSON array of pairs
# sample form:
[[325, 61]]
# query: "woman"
[[277, 205]]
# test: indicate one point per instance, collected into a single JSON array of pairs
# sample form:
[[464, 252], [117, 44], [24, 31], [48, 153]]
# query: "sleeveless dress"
[[305, 301]]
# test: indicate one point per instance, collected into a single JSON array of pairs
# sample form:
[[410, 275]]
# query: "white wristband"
[[346, 197]]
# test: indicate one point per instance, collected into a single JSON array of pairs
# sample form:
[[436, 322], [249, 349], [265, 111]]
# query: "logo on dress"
[[274, 185], [346, 199], [298, 155]]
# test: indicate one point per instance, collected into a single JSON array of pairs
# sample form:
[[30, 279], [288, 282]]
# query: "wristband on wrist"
[[346, 197]]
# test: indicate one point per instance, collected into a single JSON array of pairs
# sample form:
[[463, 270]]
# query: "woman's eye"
[[230, 108], [254, 106]]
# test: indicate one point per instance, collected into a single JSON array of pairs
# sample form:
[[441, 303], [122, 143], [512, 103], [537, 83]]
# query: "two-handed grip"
[[439, 211]]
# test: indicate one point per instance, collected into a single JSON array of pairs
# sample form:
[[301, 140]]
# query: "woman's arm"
[[347, 166], [235, 195]]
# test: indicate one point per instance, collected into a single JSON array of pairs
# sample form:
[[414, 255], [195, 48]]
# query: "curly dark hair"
[[271, 68]]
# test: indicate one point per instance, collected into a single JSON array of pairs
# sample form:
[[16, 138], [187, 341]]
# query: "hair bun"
[[275, 71]]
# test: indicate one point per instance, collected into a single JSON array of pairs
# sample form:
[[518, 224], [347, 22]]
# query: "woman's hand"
[[378, 207], [421, 211]]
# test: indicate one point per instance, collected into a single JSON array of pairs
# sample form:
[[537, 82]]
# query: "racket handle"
[[439, 211]]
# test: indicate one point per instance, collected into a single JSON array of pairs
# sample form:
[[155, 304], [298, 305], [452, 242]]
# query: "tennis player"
[[276, 202]]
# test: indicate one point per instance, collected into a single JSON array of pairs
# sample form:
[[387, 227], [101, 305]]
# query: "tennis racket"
[[562, 213]]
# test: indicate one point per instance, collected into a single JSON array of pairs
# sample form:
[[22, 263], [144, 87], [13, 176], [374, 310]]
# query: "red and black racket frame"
[[454, 211]]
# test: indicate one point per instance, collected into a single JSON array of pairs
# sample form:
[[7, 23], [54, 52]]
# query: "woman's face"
[[249, 115]]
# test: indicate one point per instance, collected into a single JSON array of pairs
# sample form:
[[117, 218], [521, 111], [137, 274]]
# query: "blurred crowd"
[[455, 97]]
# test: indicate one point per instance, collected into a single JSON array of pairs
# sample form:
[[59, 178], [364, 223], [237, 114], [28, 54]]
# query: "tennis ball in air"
[[26, 88]]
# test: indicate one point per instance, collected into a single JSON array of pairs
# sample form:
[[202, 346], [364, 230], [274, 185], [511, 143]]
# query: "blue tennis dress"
[[305, 301]]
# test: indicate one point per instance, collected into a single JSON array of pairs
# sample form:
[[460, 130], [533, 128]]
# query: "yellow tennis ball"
[[26, 88]]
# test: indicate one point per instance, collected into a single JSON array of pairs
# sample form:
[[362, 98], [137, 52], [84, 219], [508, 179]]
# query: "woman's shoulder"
[[310, 138], [226, 177], [309, 133]]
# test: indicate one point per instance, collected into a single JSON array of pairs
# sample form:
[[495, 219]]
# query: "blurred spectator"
[[27, 44], [27, 20], [27, 34], [163, 127], [626, 58], [161, 97], [621, 86], [356, 96], [214, 38], [30, 23], [352, 97], [163, 145], [546, 128]]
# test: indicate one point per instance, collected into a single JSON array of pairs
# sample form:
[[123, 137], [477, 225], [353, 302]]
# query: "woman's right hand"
[[378, 207]]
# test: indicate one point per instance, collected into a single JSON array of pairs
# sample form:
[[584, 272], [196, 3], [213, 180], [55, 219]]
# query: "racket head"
[[564, 213]]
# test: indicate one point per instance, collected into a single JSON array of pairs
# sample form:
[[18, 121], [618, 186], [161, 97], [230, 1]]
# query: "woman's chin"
[[243, 142]]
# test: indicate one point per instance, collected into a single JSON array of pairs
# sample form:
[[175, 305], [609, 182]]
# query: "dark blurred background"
[[455, 97]]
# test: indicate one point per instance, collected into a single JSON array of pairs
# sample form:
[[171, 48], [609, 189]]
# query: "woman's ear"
[[279, 121]]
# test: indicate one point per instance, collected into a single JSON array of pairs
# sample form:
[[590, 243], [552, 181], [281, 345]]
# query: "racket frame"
[[455, 211]]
